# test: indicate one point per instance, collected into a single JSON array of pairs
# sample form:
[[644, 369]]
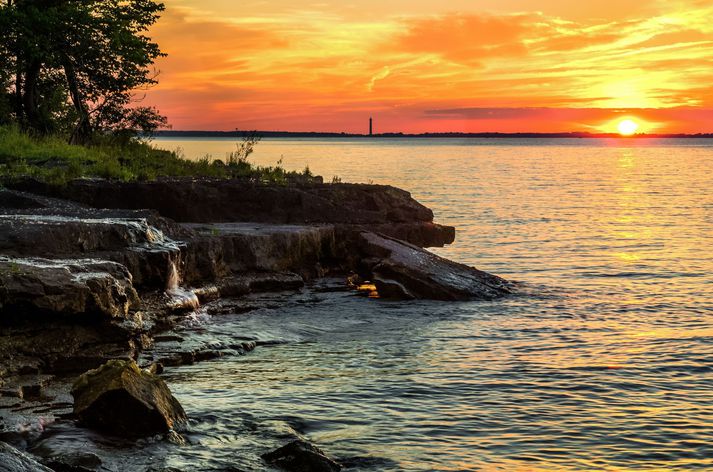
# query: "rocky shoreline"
[[96, 271]]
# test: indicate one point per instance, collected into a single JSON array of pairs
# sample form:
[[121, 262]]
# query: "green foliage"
[[74, 66], [244, 148], [52, 159]]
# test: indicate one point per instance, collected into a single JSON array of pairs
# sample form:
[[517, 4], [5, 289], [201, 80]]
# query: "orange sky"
[[420, 65]]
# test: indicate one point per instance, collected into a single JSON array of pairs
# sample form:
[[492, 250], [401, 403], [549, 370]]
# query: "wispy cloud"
[[274, 64], [382, 74]]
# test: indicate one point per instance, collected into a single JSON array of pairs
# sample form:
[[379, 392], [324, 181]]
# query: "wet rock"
[[74, 462], [253, 282], [14, 439], [155, 368], [405, 271], [301, 456], [173, 354], [85, 288], [58, 235], [12, 460], [120, 398], [26, 387], [207, 294], [137, 243]]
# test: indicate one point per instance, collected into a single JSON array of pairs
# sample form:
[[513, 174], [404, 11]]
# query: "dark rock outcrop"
[[422, 233], [122, 399], [74, 462], [12, 460], [63, 288], [252, 282], [218, 200], [388, 209], [404, 271], [301, 456], [137, 243], [244, 247]]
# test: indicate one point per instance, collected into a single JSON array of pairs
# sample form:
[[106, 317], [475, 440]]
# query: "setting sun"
[[628, 127]]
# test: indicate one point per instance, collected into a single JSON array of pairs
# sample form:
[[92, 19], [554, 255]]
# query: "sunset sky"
[[417, 65]]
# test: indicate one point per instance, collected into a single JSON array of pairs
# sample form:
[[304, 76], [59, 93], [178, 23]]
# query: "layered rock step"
[[404, 271], [245, 247], [383, 208], [136, 243], [34, 287]]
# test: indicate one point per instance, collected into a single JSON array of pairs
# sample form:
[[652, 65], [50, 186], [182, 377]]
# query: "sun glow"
[[627, 127]]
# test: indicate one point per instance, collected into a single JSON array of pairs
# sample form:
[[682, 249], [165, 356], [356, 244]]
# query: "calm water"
[[604, 362]]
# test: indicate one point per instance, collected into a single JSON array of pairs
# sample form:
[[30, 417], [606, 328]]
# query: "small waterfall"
[[173, 277], [181, 299]]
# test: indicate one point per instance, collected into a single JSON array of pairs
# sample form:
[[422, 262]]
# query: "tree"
[[79, 61]]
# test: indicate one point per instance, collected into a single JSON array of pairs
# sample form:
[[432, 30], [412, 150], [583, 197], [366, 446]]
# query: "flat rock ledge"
[[382, 208], [83, 288], [404, 271]]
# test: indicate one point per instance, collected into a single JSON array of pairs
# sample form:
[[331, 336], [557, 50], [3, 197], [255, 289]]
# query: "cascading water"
[[180, 297]]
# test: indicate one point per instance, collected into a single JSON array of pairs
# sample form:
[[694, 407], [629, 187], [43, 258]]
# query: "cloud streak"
[[328, 67]]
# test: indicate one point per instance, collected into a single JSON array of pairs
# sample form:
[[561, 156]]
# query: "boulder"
[[301, 456], [82, 288], [120, 398], [404, 271], [12, 460]]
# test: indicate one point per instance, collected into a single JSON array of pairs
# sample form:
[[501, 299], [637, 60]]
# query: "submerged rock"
[[82, 287], [74, 462], [301, 456], [121, 399], [12, 460], [404, 271]]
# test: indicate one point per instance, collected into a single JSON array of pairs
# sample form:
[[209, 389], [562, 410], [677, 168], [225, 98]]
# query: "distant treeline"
[[291, 134]]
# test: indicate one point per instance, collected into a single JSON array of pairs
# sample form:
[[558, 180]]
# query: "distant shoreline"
[[291, 134]]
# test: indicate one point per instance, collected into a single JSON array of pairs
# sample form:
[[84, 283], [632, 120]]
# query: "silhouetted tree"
[[79, 62]]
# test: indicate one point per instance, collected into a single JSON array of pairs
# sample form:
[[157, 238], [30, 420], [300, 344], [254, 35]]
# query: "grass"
[[52, 160]]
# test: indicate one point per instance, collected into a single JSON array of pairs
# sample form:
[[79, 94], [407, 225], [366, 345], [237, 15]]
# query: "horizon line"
[[429, 134]]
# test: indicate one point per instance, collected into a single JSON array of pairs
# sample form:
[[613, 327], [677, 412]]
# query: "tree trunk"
[[30, 98], [82, 131], [19, 112]]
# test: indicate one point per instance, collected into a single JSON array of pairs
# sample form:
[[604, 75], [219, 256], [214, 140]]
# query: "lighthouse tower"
[[371, 129]]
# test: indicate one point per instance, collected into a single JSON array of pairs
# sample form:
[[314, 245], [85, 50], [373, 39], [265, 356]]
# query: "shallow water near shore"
[[602, 361]]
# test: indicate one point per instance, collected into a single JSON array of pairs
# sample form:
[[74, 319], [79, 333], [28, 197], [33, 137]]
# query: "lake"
[[603, 361]]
